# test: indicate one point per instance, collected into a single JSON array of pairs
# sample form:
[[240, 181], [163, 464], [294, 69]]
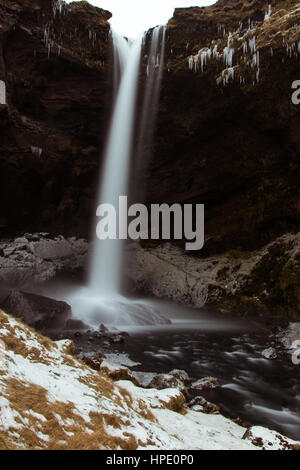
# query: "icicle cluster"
[[92, 36], [59, 6], [244, 54], [293, 49], [49, 43], [203, 56], [36, 152]]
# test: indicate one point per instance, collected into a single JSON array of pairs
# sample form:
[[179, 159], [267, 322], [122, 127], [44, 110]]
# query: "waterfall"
[[101, 300], [150, 106], [107, 255]]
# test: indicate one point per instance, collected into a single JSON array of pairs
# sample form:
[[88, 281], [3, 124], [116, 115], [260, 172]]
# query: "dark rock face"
[[54, 59], [234, 148], [37, 311]]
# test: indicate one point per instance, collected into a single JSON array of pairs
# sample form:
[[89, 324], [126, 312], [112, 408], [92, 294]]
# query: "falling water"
[[107, 255], [150, 105], [101, 300]]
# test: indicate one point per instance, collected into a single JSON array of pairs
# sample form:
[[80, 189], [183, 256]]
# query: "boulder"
[[40, 312], [207, 383], [117, 371], [162, 381], [202, 405], [39, 259], [269, 353], [181, 375]]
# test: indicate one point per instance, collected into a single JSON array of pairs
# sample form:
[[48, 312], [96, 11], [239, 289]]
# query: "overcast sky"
[[131, 17]]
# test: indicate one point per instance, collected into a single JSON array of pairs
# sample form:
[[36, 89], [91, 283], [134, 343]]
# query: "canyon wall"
[[228, 136], [55, 61], [235, 133]]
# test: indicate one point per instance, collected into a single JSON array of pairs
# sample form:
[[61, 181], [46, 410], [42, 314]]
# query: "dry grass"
[[76, 435], [43, 424]]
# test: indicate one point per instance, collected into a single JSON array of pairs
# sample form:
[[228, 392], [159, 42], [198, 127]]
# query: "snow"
[[122, 359], [30, 360]]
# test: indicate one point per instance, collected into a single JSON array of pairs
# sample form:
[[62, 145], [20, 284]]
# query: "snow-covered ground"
[[51, 400]]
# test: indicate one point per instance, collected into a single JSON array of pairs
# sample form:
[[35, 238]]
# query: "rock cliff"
[[226, 102], [227, 131], [54, 60]]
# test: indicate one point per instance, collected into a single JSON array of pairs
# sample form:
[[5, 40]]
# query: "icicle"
[[227, 74], [215, 52], [36, 151], [255, 60], [228, 56], [2, 92], [268, 13], [204, 57], [252, 44]]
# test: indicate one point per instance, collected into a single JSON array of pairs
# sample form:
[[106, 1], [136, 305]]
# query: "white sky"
[[131, 17]]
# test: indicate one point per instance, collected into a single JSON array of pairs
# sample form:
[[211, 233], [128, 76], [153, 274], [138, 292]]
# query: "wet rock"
[[40, 259], [40, 312], [103, 329], [9, 251], [51, 249], [21, 241], [269, 353], [118, 339], [144, 378], [162, 381], [116, 371], [72, 324], [159, 381], [207, 383], [181, 375], [201, 404], [288, 336], [250, 283]]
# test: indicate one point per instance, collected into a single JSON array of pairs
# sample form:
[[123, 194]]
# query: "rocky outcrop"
[[54, 59], [227, 133], [261, 282], [38, 257], [35, 310]]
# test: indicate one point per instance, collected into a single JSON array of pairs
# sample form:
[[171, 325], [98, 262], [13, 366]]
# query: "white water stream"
[[101, 300]]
